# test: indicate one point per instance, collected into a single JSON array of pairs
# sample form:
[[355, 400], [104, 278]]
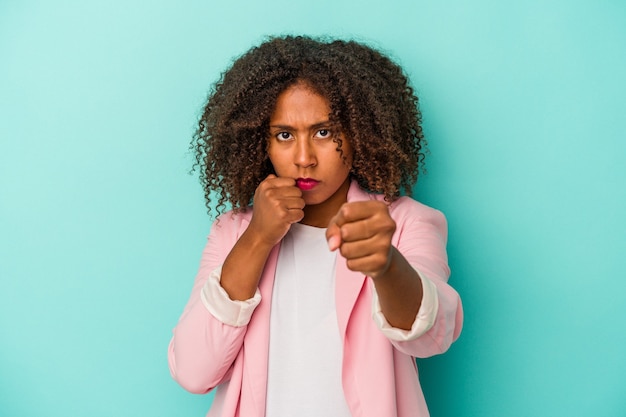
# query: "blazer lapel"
[[257, 337], [256, 342], [348, 284]]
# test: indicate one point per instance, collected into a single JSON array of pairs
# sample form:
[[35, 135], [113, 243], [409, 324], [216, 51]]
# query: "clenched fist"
[[362, 232], [278, 203]]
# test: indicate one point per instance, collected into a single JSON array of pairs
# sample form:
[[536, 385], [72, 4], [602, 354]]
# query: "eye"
[[323, 134], [283, 136]]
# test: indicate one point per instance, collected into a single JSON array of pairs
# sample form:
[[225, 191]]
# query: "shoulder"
[[406, 207], [402, 209], [231, 221]]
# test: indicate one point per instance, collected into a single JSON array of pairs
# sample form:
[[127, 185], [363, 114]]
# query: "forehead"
[[300, 103]]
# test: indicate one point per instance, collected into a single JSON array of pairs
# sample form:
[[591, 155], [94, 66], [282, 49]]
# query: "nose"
[[305, 154]]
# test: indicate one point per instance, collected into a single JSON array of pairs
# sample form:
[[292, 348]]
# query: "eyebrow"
[[325, 123]]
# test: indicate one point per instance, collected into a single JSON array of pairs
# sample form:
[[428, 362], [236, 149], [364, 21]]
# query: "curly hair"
[[371, 102]]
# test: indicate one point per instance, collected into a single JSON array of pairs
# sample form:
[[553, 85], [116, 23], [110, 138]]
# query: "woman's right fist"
[[277, 204]]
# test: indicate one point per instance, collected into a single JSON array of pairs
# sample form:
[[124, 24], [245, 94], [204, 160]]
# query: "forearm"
[[399, 291], [243, 266]]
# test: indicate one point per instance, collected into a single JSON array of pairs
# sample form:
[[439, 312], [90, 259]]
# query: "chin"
[[313, 201]]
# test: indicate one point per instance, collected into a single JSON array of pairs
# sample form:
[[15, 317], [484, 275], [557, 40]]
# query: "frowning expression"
[[301, 147]]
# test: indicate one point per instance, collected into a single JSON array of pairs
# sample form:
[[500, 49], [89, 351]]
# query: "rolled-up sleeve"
[[424, 319], [232, 312]]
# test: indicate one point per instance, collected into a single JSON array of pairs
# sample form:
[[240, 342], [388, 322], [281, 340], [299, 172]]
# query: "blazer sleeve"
[[203, 348], [422, 238]]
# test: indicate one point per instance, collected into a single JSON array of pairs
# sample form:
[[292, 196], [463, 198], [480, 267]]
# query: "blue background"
[[101, 227]]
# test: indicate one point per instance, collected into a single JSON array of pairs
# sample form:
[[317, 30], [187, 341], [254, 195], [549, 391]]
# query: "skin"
[[301, 146]]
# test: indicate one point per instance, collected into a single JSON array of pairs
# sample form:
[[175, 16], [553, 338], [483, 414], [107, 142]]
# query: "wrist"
[[255, 239], [388, 270]]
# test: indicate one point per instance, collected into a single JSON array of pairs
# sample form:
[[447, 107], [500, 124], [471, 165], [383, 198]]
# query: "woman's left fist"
[[362, 232]]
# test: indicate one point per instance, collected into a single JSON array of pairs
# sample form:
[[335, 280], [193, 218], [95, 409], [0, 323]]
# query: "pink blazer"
[[379, 376]]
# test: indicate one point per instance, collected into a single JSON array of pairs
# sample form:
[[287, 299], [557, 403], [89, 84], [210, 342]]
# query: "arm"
[[210, 332], [422, 239], [203, 348], [363, 232], [420, 235], [277, 204]]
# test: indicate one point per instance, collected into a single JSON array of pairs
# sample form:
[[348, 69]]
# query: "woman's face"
[[301, 147]]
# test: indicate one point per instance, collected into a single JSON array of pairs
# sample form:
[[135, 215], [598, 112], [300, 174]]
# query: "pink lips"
[[306, 184]]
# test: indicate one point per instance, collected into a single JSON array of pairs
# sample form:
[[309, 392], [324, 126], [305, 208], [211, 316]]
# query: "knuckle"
[[352, 265], [380, 259], [268, 192], [345, 210], [387, 224], [348, 250], [378, 205], [265, 184]]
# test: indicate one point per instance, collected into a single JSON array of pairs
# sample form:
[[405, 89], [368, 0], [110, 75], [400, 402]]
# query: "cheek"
[[276, 159], [271, 153]]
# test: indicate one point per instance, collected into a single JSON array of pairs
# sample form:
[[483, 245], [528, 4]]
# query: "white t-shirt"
[[305, 352]]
